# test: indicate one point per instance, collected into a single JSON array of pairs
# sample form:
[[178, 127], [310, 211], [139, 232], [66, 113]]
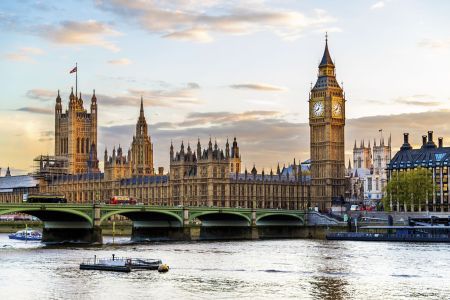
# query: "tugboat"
[[27, 234]]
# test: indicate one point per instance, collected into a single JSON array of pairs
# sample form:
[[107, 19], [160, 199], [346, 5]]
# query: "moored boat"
[[429, 234], [27, 234], [120, 264]]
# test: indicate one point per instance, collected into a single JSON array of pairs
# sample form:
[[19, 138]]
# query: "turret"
[[235, 149], [105, 159], [254, 171], [171, 151], [58, 106], [93, 103], [199, 150], [227, 149]]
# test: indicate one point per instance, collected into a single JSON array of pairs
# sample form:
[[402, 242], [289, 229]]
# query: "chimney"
[[424, 140], [406, 145], [441, 142], [430, 136]]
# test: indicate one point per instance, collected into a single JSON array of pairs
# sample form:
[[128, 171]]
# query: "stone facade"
[[76, 135], [368, 175], [138, 161]]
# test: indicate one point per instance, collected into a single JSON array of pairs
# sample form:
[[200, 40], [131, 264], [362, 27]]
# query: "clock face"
[[337, 109], [318, 109]]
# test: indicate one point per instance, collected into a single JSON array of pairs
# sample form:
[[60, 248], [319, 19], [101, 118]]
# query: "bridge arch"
[[281, 219], [221, 218], [145, 215], [48, 214]]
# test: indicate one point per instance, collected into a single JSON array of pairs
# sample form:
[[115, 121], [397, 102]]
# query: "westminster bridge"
[[81, 223]]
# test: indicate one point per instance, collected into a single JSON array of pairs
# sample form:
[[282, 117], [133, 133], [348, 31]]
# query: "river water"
[[268, 269]]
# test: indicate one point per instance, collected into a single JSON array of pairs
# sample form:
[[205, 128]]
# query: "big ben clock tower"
[[326, 122]]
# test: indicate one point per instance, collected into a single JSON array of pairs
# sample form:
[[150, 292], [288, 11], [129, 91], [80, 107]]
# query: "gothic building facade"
[[327, 122], [76, 135], [139, 159], [368, 176]]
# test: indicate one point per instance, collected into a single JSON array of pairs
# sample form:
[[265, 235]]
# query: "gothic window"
[[82, 145], [359, 162], [78, 145], [87, 145]]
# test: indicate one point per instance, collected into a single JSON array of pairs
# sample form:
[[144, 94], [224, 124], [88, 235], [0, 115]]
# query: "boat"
[[109, 264], [27, 234], [120, 264], [426, 234]]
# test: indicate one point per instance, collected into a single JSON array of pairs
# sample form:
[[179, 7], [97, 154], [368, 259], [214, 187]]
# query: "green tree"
[[409, 189]]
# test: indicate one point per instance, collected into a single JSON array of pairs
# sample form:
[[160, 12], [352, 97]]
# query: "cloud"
[[41, 94], [423, 100], [418, 100], [378, 5], [266, 137], [120, 61], [434, 43], [25, 54], [46, 136], [259, 87], [36, 110], [89, 32], [164, 96], [199, 21]]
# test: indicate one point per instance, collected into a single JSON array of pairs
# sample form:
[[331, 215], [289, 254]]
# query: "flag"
[[73, 70]]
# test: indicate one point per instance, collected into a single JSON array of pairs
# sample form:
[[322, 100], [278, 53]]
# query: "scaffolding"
[[48, 166]]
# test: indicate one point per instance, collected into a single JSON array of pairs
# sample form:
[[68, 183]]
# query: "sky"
[[219, 69]]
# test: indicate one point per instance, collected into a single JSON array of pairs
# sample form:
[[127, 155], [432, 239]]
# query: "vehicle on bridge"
[[121, 200], [44, 198]]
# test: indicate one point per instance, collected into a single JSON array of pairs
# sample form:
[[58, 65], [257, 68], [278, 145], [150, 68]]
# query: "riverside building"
[[430, 156]]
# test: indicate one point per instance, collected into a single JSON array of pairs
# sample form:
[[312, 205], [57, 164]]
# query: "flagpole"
[[76, 80]]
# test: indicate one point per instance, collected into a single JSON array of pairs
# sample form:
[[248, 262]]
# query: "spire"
[[72, 96], [354, 147], [349, 164], [94, 98], [326, 58], [142, 107], [58, 98]]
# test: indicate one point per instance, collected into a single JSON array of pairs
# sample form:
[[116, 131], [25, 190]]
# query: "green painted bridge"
[[81, 223]]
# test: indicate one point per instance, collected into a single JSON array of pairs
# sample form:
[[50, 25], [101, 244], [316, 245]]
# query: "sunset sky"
[[221, 69]]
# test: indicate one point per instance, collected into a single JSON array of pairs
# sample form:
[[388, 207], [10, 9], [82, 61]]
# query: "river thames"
[[267, 269]]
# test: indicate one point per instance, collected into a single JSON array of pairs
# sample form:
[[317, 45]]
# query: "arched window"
[[78, 145], [82, 145], [87, 146]]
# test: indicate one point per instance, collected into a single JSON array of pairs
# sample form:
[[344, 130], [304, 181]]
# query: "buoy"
[[163, 268]]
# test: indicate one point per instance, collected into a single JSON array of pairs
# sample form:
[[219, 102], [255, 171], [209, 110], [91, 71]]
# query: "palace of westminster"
[[207, 176]]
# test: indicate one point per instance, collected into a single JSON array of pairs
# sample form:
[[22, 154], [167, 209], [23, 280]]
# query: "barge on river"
[[425, 234], [120, 264]]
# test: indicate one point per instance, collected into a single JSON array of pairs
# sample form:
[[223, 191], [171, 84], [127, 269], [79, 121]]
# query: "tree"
[[409, 188]]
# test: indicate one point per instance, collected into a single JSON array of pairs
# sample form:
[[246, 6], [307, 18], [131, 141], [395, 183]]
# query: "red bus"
[[122, 200]]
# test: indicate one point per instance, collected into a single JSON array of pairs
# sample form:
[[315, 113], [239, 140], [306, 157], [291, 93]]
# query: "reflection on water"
[[302, 269]]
